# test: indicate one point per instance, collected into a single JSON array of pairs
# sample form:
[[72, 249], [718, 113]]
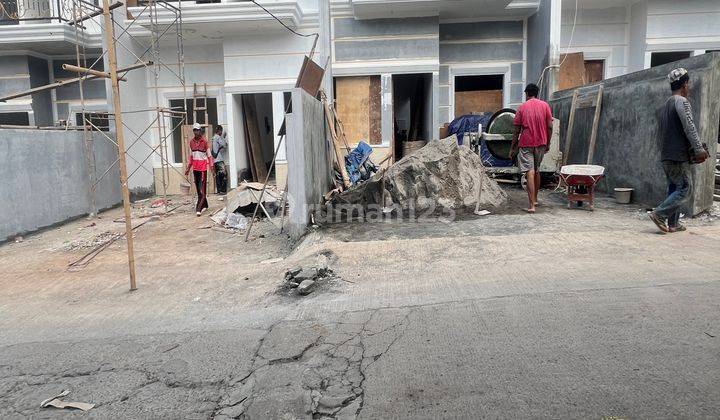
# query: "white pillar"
[[434, 130], [231, 129], [648, 60], [325, 45], [386, 109], [554, 49], [278, 115]]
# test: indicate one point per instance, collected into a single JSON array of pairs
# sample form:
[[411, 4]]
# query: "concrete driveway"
[[561, 314]]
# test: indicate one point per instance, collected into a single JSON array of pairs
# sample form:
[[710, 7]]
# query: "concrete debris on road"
[[440, 175], [93, 241], [306, 279]]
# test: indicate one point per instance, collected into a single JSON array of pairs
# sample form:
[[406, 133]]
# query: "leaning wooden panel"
[[572, 71]]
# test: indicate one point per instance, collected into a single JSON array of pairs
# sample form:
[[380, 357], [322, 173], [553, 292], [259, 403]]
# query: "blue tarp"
[[356, 159], [469, 124]]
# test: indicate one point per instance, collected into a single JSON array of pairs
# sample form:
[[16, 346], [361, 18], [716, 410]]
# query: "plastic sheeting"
[[357, 163], [469, 124]]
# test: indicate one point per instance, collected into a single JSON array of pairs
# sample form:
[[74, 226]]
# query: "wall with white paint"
[[625, 35], [690, 25], [600, 33]]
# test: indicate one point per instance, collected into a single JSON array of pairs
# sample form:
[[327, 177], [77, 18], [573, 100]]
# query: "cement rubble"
[[441, 175]]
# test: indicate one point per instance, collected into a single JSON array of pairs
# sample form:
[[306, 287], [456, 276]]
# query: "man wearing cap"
[[680, 147], [199, 161], [531, 140]]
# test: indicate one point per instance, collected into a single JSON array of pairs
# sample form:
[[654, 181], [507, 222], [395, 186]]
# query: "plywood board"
[[572, 71], [478, 101], [353, 106], [375, 113], [359, 108], [254, 140], [593, 71], [310, 77]]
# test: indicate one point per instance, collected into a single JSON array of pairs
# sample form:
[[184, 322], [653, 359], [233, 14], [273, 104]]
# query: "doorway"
[[412, 112], [258, 133]]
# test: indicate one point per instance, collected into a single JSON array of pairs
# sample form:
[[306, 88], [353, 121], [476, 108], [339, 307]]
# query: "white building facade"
[[396, 68]]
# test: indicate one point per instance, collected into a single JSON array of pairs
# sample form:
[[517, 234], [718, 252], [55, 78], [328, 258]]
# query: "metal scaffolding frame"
[[152, 61]]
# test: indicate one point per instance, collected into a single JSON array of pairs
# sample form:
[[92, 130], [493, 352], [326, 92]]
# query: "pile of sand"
[[440, 175]]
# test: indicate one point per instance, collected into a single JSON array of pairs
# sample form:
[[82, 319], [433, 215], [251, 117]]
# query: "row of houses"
[[398, 69]]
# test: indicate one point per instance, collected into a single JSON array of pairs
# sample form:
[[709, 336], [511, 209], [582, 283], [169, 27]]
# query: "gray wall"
[[353, 39], [14, 78], [47, 183], [538, 44], [308, 157], [92, 89], [41, 101], [476, 42], [628, 143]]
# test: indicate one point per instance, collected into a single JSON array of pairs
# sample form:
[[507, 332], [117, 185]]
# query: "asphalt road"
[[595, 317]]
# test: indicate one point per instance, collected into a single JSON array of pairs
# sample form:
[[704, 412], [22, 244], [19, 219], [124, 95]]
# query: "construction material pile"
[[440, 175]]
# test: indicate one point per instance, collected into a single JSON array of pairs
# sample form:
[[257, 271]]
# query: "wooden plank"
[[375, 114], [255, 151], [352, 96], [246, 136], [594, 71], [416, 110], [310, 77], [596, 121], [586, 101], [572, 71], [571, 123], [339, 157], [478, 101]]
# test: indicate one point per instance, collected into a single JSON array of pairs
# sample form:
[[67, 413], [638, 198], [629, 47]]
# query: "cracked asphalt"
[[562, 314]]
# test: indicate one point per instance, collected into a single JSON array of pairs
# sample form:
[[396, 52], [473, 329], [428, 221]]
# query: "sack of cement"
[[441, 174]]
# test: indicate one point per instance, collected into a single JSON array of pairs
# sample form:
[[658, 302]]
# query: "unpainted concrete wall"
[[308, 160], [628, 138], [46, 180]]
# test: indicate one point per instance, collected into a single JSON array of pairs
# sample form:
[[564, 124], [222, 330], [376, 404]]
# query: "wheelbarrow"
[[580, 181]]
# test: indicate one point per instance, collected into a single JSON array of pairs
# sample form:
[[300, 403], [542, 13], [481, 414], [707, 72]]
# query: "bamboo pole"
[[112, 63], [67, 82], [83, 70]]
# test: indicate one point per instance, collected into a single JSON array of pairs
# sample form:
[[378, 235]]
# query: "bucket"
[[184, 188], [623, 195]]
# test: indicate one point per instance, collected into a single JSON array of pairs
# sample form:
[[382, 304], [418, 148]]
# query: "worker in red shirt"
[[199, 161], [533, 127]]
